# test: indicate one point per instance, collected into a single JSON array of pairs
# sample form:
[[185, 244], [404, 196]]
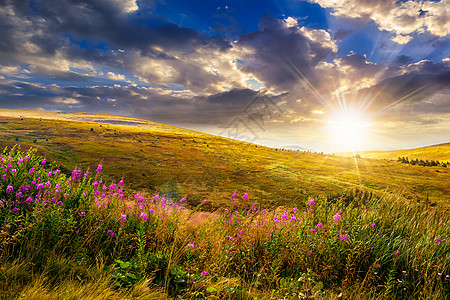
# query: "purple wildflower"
[[99, 168], [311, 201], [190, 245], [9, 189], [336, 217], [110, 233], [344, 237]]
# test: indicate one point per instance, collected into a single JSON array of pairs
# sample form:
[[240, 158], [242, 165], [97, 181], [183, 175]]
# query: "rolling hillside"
[[183, 163], [439, 152]]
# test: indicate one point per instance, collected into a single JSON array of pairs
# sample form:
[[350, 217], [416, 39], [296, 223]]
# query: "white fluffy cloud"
[[399, 17]]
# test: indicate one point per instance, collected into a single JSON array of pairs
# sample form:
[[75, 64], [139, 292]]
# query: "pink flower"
[[372, 225], [99, 168], [378, 266], [204, 273], [310, 252], [9, 189], [43, 162], [293, 218], [190, 245], [320, 225], [83, 213], [123, 217], [397, 252], [110, 233], [183, 200], [344, 237], [204, 202], [438, 240], [310, 201], [144, 215], [294, 209], [312, 230], [245, 196], [336, 217]]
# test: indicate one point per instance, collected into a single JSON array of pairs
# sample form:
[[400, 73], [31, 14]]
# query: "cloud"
[[402, 18], [282, 54]]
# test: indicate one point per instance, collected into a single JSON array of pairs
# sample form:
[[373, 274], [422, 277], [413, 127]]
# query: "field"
[[183, 163], [204, 217]]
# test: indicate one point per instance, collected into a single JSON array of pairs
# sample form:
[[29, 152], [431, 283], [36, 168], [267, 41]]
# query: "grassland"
[[156, 158], [439, 152], [81, 237]]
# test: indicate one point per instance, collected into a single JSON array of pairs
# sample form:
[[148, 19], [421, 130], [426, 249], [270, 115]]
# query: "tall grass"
[[80, 238]]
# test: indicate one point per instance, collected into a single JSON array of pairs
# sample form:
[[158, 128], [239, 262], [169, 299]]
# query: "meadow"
[[140, 210], [79, 237], [157, 158]]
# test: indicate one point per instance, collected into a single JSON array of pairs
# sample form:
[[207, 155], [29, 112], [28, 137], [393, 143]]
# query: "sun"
[[349, 131]]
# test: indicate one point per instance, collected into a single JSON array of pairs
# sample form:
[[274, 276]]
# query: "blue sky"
[[324, 75]]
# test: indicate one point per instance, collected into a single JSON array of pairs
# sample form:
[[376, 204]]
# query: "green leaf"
[[211, 289], [319, 286], [125, 265]]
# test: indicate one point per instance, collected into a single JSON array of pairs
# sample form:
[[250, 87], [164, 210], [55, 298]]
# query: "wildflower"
[[204, 273], [294, 209], [66, 195], [31, 171], [399, 280], [234, 195], [404, 272], [344, 237], [372, 225], [440, 274], [190, 245], [340, 212], [3, 176], [50, 174], [110, 233], [151, 210], [204, 202], [310, 201], [123, 217], [336, 217], [276, 220], [312, 230], [20, 160], [144, 215], [438, 240], [245, 196], [378, 266], [310, 252], [99, 168], [43, 162], [83, 213], [293, 218], [397, 252], [183, 200], [320, 225], [9, 189], [56, 172]]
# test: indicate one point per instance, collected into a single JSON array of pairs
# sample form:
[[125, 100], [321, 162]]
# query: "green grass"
[[155, 158], [72, 238]]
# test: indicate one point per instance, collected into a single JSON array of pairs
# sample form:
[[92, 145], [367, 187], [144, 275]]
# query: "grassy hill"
[[182, 163], [439, 152], [72, 236]]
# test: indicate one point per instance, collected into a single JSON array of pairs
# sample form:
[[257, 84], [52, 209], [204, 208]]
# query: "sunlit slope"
[[179, 162], [439, 152]]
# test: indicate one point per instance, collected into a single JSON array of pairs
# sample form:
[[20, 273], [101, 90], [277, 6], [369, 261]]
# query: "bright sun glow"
[[349, 131]]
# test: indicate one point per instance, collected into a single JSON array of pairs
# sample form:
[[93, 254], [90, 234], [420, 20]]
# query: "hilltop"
[[178, 162], [440, 152]]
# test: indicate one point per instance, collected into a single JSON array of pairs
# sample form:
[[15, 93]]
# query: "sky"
[[322, 75]]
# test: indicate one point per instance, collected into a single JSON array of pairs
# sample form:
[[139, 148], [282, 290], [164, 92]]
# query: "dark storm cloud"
[[105, 20], [422, 81], [278, 50]]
